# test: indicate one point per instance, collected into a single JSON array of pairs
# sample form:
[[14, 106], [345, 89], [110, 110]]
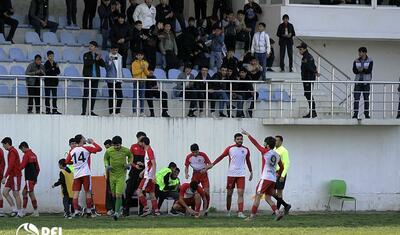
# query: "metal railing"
[[265, 100]]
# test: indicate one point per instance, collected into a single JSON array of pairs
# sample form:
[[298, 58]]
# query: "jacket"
[[88, 62], [251, 12], [5, 6], [366, 65], [261, 43], [129, 13], [216, 85], [119, 31], [114, 70], [308, 67], [162, 11], [51, 70], [200, 86], [177, 6], [217, 42], [39, 10], [281, 32], [137, 70], [168, 43], [30, 165], [146, 15], [182, 76], [105, 14], [33, 69]]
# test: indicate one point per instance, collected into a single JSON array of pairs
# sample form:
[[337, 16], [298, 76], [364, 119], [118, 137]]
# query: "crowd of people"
[[143, 180]]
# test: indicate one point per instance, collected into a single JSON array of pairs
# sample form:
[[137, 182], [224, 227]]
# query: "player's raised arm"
[[254, 141], [222, 156], [68, 159], [93, 149]]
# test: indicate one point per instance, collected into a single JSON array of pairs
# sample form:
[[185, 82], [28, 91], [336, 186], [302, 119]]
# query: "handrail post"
[[161, 99], [183, 98], [40, 95], [318, 69], [255, 98], [65, 96], [114, 97], [138, 108], [332, 100], [392, 102], [90, 97], [16, 95], [371, 101], [270, 100], [291, 101], [230, 100], [206, 111], [384, 101], [281, 99], [347, 98]]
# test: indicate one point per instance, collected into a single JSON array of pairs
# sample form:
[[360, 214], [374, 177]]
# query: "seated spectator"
[[251, 9], [242, 31], [35, 68], [167, 183], [231, 32], [138, 39], [71, 12], [254, 69], [230, 60], [151, 92], [106, 21], [131, 9], [164, 12], [217, 91], [217, 44], [51, 84], [6, 11], [121, 36], [185, 75], [198, 92], [245, 91], [39, 14], [271, 57], [168, 48], [140, 70], [114, 70]]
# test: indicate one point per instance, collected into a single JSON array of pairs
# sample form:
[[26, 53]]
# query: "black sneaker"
[[165, 114], [222, 115], [56, 112], [367, 117], [287, 209], [270, 70], [191, 115], [307, 116], [398, 116], [93, 114], [355, 116]]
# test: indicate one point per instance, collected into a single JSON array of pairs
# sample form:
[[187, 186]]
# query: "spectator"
[[308, 73], [200, 58], [35, 68], [242, 31], [51, 84], [200, 9], [167, 183], [189, 37], [122, 6], [185, 75], [247, 90], [271, 57], [168, 48], [238, 92], [71, 12], [89, 13], [286, 33], [217, 44], [164, 12], [362, 68], [216, 91], [131, 10], [106, 21], [222, 6], [140, 70], [261, 48], [6, 11], [251, 9], [146, 13], [121, 36], [114, 67], [152, 91], [178, 6], [138, 39], [230, 60], [198, 92], [152, 43], [115, 11], [92, 62], [254, 69], [209, 24], [39, 14], [230, 32]]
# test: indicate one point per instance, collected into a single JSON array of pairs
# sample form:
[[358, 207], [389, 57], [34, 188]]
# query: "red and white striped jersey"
[[149, 171], [269, 162], [80, 158], [186, 192], [197, 162], [239, 156]]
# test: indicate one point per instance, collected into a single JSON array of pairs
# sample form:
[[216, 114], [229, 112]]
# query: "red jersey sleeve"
[[201, 191], [248, 161], [183, 189], [258, 146], [224, 154], [187, 161], [12, 159], [150, 153], [207, 160], [68, 159], [2, 163], [93, 149], [25, 161]]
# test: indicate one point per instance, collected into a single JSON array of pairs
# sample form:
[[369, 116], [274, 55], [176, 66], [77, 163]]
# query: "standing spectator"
[[116, 11], [106, 21], [230, 32], [89, 13], [362, 68], [308, 74], [6, 11], [217, 92], [122, 6], [243, 32], [114, 70], [33, 83], [140, 70], [39, 14], [151, 92], [271, 57], [146, 13], [261, 47], [121, 36], [189, 37], [152, 43], [251, 9], [71, 12], [92, 62], [178, 7], [217, 43], [138, 39], [168, 48], [164, 12], [200, 9], [286, 33], [51, 84], [130, 11], [222, 6]]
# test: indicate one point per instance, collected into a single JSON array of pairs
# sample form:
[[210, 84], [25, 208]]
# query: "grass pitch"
[[328, 223]]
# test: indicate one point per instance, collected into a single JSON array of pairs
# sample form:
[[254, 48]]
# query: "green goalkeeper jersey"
[[117, 159]]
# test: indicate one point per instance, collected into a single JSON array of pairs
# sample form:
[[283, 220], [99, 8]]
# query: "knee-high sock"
[[1, 204], [118, 204], [25, 202], [240, 206], [197, 208], [228, 203], [143, 201], [274, 208], [154, 205], [254, 210], [89, 204], [34, 204], [75, 203], [208, 200]]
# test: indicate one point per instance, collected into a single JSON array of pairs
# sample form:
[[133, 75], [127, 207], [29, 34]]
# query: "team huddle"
[[190, 198]]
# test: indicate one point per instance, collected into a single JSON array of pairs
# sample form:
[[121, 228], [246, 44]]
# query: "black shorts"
[[280, 185]]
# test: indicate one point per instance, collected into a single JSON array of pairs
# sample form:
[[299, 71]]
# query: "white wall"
[[365, 156]]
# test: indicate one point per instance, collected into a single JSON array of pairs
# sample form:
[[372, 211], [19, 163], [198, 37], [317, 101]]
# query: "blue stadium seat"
[[127, 91], [63, 23], [60, 92], [3, 40], [54, 19], [96, 22], [68, 39], [279, 95], [126, 73], [104, 54], [74, 91], [4, 56], [195, 72], [160, 74], [21, 90], [34, 52], [103, 72], [71, 56], [72, 71], [3, 71], [173, 73], [4, 90], [33, 38], [17, 70], [50, 38], [263, 94], [16, 54], [104, 91], [22, 21], [84, 38], [159, 59]]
